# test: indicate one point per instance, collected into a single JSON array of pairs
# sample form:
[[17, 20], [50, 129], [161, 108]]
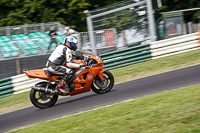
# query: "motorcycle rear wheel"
[[101, 87], [42, 100]]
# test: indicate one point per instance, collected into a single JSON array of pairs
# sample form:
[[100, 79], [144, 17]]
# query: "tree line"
[[68, 12], [172, 5]]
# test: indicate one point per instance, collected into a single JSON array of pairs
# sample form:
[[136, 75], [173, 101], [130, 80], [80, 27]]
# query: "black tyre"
[[42, 100], [101, 87]]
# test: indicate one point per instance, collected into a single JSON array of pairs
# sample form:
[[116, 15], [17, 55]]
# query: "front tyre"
[[42, 100], [103, 86]]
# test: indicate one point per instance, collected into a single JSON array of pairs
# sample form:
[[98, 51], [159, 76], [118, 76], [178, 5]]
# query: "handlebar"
[[88, 62]]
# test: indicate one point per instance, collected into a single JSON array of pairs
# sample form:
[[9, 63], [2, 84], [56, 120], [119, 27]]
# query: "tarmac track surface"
[[87, 101]]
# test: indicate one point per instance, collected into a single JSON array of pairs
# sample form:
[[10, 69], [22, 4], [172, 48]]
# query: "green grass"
[[176, 111], [156, 66], [121, 75], [14, 102]]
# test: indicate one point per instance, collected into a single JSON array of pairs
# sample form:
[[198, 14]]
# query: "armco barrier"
[[155, 50], [126, 57], [199, 35], [175, 45], [16, 84]]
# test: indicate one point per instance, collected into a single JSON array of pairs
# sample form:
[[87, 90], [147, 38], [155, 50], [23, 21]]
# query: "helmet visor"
[[73, 45]]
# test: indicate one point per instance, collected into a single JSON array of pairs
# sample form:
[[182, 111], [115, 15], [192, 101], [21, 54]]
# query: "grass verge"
[[121, 75], [14, 102], [156, 66], [176, 111]]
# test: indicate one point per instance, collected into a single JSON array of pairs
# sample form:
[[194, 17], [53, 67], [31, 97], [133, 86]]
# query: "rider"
[[60, 56]]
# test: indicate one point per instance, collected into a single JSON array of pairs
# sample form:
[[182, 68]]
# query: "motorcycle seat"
[[50, 74]]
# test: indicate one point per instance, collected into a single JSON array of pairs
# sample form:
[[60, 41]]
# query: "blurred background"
[[100, 26]]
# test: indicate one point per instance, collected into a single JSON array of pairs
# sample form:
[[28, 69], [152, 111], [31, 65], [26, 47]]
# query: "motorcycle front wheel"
[[42, 100], [103, 86]]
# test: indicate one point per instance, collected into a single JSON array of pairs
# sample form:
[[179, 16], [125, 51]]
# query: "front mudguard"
[[100, 74]]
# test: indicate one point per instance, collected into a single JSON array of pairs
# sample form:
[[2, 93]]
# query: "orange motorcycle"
[[93, 77]]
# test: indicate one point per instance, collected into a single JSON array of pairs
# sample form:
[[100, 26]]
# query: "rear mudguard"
[[100, 74]]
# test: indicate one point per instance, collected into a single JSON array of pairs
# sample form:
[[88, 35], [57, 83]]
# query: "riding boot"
[[63, 84]]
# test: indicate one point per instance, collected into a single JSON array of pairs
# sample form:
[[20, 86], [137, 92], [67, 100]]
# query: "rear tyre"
[[41, 99], [103, 86]]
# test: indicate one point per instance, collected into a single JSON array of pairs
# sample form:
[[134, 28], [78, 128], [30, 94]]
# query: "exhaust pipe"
[[45, 90], [45, 87]]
